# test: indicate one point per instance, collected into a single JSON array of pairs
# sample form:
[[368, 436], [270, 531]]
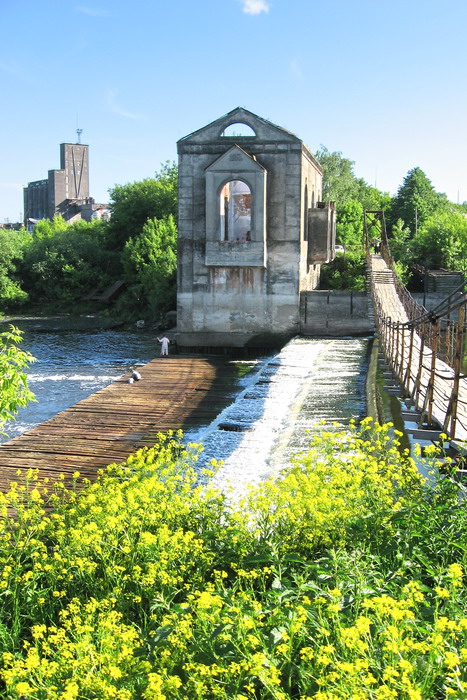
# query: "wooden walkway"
[[425, 378], [175, 392]]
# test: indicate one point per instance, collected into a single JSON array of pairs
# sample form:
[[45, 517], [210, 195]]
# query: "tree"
[[133, 204], [349, 224], [442, 241], [48, 228], [402, 244], [339, 181], [68, 262], [371, 198], [12, 248], [150, 264], [14, 390], [416, 200]]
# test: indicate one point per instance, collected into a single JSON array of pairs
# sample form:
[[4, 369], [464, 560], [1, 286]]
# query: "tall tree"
[[442, 241], [150, 264], [339, 181], [133, 204], [415, 201], [349, 225]]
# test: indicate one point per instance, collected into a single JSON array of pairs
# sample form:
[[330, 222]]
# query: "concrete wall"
[[36, 200], [74, 161], [335, 313]]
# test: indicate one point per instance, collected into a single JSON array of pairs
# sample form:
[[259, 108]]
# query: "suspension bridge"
[[424, 349]]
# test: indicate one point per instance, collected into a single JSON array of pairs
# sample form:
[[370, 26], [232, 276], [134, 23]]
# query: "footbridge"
[[425, 349]]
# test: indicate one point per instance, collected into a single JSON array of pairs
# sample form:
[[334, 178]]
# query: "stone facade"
[[251, 235]]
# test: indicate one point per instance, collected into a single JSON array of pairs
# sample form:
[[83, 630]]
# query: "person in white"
[[164, 345]]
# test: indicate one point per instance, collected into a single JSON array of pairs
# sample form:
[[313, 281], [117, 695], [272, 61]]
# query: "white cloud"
[[111, 102], [92, 11], [255, 7]]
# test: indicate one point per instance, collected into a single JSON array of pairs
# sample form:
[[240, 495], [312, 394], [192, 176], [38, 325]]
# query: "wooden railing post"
[[406, 379], [429, 396], [451, 412], [396, 356], [416, 387]]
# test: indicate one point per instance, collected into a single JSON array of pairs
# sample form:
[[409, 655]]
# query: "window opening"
[[238, 129], [235, 211]]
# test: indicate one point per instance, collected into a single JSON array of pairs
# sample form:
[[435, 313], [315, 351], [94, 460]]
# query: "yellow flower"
[[23, 688], [442, 592]]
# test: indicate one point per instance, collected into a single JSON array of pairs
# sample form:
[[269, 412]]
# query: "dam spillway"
[[310, 386]]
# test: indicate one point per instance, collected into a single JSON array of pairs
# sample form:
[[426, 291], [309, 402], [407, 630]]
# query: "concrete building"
[[253, 232], [64, 192]]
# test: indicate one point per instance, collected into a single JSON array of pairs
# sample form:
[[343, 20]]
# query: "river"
[[72, 363], [308, 385]]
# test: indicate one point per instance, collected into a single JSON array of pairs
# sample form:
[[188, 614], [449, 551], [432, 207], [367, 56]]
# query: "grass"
[[341, 578]]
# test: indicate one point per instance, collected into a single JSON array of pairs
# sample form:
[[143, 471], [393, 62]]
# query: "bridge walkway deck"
[[384, 290]]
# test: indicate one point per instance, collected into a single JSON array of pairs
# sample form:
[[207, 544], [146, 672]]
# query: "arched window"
[[238, 129], [235, 211]]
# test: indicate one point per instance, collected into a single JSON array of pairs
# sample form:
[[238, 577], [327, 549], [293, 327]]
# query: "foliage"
[[371, 198], [150, 264], [12, 248], [345, 272], [14, 390], [342, 578], [49, 228], [416, 200], [63, 262], [339, 181], [442, 241], [349, 225], [401, 243], [341, 185], [133, 204]]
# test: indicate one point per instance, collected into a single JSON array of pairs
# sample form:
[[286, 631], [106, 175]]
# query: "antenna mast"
[[79, 132]]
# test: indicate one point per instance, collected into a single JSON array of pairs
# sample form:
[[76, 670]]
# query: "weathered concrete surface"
[[335, 313]]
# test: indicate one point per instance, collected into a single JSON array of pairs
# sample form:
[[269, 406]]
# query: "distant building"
[[11, 226], [65, 192]]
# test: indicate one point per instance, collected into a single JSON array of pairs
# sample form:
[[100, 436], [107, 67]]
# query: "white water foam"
[[255, 436]]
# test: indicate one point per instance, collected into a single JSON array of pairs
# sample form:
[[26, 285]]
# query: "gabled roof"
[[264, 129], [245, 161]]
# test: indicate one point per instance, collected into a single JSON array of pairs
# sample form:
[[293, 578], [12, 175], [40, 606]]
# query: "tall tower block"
[[74, 161]]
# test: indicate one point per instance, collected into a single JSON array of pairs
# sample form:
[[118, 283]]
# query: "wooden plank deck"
[[175, 392]]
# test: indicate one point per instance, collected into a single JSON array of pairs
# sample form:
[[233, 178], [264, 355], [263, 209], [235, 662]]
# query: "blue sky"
[[384, 83]]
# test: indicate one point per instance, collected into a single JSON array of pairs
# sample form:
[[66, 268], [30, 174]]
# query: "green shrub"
[[341, 578], [346, 271]]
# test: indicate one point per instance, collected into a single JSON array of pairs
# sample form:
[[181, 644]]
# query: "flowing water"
[[312, 384], [72, 364]]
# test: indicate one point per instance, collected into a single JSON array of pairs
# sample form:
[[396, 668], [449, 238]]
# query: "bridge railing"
[[425, 350]]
